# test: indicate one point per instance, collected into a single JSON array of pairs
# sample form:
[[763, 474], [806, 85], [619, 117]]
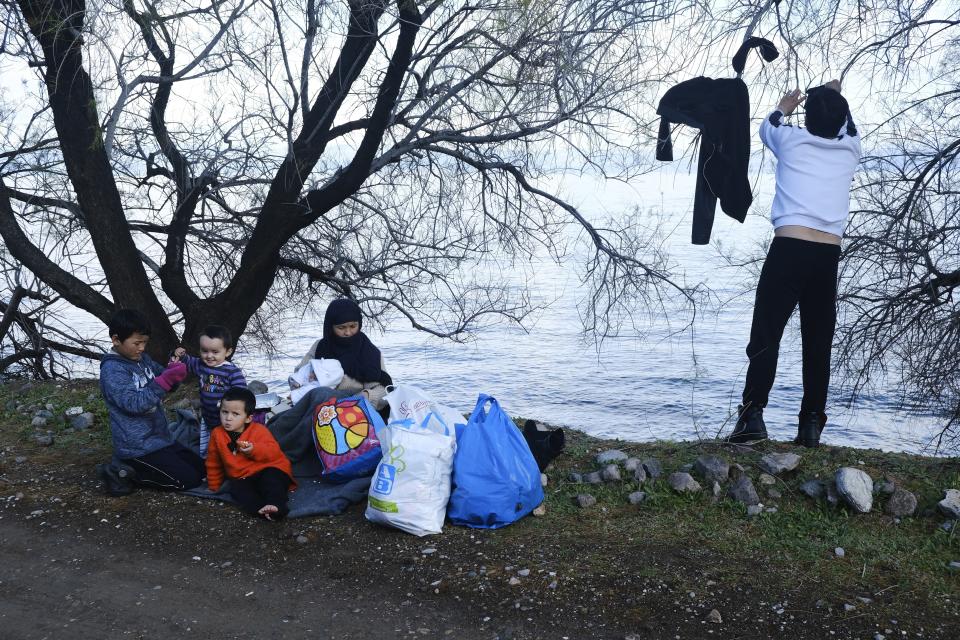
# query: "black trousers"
[[173, 468], [270, 486], [796, 272]]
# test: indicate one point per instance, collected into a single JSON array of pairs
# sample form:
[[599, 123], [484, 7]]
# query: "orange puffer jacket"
[[223, 462]]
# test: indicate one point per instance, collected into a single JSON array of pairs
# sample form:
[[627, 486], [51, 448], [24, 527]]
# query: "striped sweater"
[[214, 381]]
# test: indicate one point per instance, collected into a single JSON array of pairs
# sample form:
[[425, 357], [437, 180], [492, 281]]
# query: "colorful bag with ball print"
[[345, 434]]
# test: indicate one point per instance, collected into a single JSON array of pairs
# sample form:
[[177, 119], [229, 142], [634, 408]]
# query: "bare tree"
[[217, 156]]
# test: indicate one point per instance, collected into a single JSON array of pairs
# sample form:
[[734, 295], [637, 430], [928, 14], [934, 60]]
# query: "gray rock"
[[950, 505], [637, 497], [754, 509], [714, 617], [902, 503], [742, 490], [653, 468], [839, 552], [773, 493], [257, 387], [632, 464], [683, 482], [767, 479], [44, 440], [613, 455], [302, 539], [736, 470], [716, 489], [954, 565], [815, 489], [38, 422], [849, 607], [640, 475], [611, 473], [585, 500], [43, 413], [82, 422], [712, 468], [540, 511], [20, 459], [771, 509], [776, 463], [948, 525], [523, 573], [886, 487], [73, 411], [543, 480], [856, 487], [593, 477]]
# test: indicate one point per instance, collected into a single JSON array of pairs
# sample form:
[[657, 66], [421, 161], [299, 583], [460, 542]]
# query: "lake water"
[[664, 386]]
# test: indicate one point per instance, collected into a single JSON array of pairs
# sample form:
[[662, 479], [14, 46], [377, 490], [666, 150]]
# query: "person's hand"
[[245, 446], [173, 375], [179, 352], [833, 84], [790, 101]]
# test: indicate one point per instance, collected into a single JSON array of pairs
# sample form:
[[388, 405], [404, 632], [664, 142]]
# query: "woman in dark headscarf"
[[344, 341]]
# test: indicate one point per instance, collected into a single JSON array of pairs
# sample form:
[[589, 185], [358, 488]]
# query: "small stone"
[[82, 422], [73, 411], [38, 422], [954, 565], [49, 407], [716, 489], [856, 487], [575, 477], [714, 617], [771, 509], [523, 573], [428, 551], [683, 482], [887, 487], [585, 500], [839, 552], [776, 463], [637, 497], [774, 494], [302, 539], [948, 525], [543, 479], [611, 473], [540, 511], [653, 468], [613, 455], [767, 479], [849, 607], [257, 387], [712, 468], [640, 475], [743, 491], [950, 505], [44, 440], [879, 636], [902, 503], [632, 464], [813, 488], [754, 509], [44, 413], [864, 599], [20, 459], [514, 581], [593, 477]]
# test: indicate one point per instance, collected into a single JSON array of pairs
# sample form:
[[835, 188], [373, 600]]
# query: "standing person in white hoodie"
[[815, 166]]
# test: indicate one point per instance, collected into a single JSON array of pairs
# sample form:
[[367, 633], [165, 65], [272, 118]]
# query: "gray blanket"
[[293, 431]]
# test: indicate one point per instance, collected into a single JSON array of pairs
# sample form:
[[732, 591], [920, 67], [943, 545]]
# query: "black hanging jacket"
[[720, 109]]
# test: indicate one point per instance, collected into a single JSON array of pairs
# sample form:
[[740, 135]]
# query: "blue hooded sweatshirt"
[[133, 398]]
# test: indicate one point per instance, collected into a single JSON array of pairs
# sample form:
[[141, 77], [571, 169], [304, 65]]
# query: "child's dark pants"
[[175, 468], [270, 486], [795, 272]]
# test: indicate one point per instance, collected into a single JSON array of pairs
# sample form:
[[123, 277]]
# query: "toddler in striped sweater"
[[216, 374]]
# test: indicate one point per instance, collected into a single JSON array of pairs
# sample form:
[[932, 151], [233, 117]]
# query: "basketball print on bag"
[[345, 434]]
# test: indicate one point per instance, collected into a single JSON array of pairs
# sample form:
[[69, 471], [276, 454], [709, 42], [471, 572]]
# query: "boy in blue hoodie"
[[133, 387]]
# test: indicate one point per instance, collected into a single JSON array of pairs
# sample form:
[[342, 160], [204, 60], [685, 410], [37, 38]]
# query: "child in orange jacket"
[[249, 456]]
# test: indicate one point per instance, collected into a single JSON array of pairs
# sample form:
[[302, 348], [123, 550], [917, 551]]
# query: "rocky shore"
[[634, 540]]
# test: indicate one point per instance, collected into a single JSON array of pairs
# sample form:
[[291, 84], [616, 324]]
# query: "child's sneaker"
[[117, 479]]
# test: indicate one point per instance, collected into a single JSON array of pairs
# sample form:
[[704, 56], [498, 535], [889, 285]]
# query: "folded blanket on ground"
[[293, 430]]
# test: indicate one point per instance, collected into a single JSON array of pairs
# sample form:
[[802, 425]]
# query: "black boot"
[[117, 479], [750, 426], [811, 426]]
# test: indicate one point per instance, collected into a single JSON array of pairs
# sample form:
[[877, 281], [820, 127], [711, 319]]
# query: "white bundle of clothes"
[[322, 372]]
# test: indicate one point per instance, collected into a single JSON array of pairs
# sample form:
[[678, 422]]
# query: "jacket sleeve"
[[193, 364], [214, 464], [120, 390], [772, 131], [265, 447]]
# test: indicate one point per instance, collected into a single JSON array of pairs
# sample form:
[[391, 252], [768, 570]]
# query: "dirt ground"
[[78, 564]]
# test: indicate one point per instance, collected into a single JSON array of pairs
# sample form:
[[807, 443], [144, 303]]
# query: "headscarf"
[[359, 357]]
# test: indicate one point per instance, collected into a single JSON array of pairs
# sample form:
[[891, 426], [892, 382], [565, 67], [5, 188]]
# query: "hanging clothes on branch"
[[720, 109]]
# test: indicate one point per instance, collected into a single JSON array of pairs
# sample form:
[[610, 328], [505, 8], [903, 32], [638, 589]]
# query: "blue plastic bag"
[[496, 481]]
